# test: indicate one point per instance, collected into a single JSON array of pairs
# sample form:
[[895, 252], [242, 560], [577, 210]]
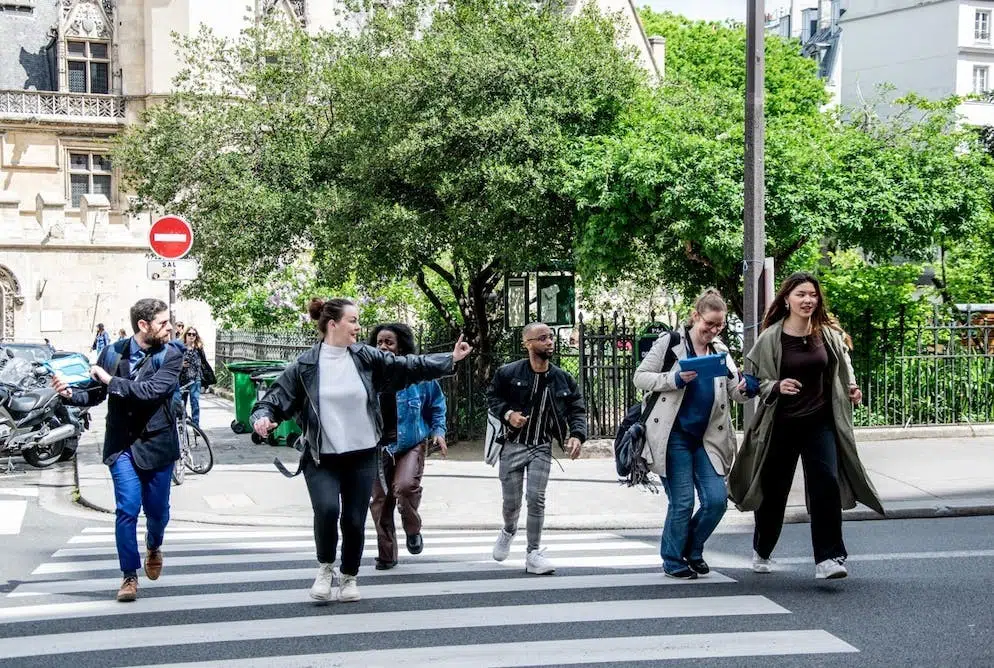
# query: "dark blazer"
[[139, 412]]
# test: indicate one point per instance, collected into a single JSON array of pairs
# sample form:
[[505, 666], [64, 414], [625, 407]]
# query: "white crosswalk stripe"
[[240, 598]]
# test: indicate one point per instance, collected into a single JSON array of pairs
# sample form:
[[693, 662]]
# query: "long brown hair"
[[778, 307], [199, 343]]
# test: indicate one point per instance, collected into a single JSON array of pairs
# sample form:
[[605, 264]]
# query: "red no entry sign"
[[170, 237]]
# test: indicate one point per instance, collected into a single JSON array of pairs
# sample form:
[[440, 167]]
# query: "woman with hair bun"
[[690, 441], [332, 392]]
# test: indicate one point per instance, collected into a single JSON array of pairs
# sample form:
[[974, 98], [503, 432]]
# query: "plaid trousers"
[[515, 460]]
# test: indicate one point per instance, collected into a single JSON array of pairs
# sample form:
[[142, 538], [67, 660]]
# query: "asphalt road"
[[919, 595]]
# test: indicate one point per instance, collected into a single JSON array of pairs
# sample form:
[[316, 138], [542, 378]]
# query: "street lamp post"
[[755, 194]]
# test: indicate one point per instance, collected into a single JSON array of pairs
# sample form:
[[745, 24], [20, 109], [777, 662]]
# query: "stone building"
[[73, 74]]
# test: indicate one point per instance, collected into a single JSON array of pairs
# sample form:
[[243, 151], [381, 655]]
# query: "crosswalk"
[[238, 597]]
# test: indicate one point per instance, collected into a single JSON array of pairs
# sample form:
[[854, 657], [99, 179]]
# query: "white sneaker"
[[323, 588], [503, 545], [537, 564], [349, 591], [830, 569], [760, 565]]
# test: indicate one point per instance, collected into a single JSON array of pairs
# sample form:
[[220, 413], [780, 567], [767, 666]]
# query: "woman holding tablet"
[[805, 378], [690, 441]]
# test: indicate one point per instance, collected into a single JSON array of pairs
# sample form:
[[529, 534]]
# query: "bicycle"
[[195, 450]]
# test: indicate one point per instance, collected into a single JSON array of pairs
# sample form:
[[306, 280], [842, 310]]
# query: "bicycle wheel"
[[179, 472], [199, 457]]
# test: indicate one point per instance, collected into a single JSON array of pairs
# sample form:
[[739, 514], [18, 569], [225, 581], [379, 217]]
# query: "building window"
[[981, 78], [89, 66], [982, 25], [89, 174], [17, 7]]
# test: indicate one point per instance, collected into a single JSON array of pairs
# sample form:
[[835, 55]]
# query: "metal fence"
[[928, 372]]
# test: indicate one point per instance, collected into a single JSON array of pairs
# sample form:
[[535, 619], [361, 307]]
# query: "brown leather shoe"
[[153, 564], [128, 591]]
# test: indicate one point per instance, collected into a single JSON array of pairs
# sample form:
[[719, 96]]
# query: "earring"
[[787, 304]]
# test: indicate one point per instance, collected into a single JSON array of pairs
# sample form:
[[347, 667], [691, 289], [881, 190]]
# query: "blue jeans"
[[195, 402], [688, 468], [135, 488]]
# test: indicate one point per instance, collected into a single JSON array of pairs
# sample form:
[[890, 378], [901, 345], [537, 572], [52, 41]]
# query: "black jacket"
[[139, 411], [510, 390], [295, 392]]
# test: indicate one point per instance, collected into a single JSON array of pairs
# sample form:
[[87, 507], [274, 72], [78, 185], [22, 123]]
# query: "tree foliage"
[[433, 148], [666, 190]]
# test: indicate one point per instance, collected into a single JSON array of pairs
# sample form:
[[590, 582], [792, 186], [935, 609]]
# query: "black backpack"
[[630, 438]]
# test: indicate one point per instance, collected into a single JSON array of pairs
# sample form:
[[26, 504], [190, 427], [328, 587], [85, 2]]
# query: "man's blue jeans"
[[135, 488], [688, 468]]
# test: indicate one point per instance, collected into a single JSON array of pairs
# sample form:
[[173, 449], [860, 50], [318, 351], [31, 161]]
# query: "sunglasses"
[[191, 334]]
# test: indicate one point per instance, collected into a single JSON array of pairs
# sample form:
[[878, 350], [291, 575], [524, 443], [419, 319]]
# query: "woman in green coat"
[[807, 390]]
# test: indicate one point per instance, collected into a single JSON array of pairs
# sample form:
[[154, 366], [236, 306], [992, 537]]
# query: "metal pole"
[[172, 300], [755, 201]]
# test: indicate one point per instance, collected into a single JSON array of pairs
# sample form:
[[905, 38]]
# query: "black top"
[[805, 359], [537, 429], [388, 408]]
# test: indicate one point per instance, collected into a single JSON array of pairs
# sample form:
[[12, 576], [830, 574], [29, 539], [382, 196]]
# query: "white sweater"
[[345, 423]]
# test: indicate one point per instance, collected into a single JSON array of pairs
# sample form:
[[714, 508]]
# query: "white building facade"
[[935, 48]]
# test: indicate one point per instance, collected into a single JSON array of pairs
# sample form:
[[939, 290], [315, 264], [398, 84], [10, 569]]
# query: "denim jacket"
[[420, 414]]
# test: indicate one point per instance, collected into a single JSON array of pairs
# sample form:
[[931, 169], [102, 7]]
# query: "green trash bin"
[[288, 432], [244, 389]]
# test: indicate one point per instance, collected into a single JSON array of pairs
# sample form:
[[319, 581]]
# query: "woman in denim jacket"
[[413, 422]]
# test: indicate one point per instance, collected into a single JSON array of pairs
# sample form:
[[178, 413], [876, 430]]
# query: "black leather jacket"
[[295, 392], [510, 390]]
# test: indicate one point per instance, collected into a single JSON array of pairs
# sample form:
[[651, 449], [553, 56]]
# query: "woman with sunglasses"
[[194, 361], [690, 441]]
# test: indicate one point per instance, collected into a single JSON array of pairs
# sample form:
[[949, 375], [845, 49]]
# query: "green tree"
[[665, 192], [433, 149]]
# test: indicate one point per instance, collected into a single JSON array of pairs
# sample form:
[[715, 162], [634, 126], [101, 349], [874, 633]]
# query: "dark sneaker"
[[415, 544], [681, 574], [153, 564], [128, 591], [384, 565], [699, 566]]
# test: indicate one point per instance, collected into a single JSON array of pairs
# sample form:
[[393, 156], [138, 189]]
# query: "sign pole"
[[755, 193], [172, 300]]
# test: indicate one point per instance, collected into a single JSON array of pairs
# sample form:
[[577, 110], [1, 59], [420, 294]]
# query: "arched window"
[[10, 298]]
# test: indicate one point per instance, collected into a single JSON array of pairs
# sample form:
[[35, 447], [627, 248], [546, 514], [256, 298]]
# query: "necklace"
[[803, 336]]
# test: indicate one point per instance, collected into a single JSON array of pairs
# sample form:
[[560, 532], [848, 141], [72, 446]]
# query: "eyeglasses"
[[713, 326], [544, 337], [191, 333]]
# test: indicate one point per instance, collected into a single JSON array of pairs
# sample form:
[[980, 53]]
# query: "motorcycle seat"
[[25, 402]]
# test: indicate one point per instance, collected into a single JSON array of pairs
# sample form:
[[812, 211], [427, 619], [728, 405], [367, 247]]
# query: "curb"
[[795, 515]]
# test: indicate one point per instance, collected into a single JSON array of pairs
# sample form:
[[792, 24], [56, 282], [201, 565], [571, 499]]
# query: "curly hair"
[[405, 337]]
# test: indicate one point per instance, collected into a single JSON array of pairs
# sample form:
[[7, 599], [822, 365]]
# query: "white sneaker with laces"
[[537, 564], [349, 591], [760, 565], [324, 588], [830, 569], [502, 547]]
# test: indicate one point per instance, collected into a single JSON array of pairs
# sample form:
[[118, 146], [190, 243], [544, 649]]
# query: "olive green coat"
[[763, 361]]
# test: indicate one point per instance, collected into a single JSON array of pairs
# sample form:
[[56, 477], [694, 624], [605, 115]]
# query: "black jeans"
[[341, 486], [812, 439]]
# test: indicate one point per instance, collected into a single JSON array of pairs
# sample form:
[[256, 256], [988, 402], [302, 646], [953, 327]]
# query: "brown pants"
[[403, 476]]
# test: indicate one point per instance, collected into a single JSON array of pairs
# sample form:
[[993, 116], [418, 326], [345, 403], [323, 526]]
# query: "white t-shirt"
[[345, 423]]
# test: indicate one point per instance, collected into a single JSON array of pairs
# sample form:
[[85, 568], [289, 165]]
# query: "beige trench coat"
[[763, 361], [719, 437]]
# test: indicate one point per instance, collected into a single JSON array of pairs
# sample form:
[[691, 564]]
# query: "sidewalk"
[[915, 477]]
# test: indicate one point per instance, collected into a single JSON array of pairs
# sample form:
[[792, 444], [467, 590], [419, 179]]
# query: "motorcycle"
[[34, 423]]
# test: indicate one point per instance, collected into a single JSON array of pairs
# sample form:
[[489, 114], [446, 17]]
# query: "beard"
[[544, 354]]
